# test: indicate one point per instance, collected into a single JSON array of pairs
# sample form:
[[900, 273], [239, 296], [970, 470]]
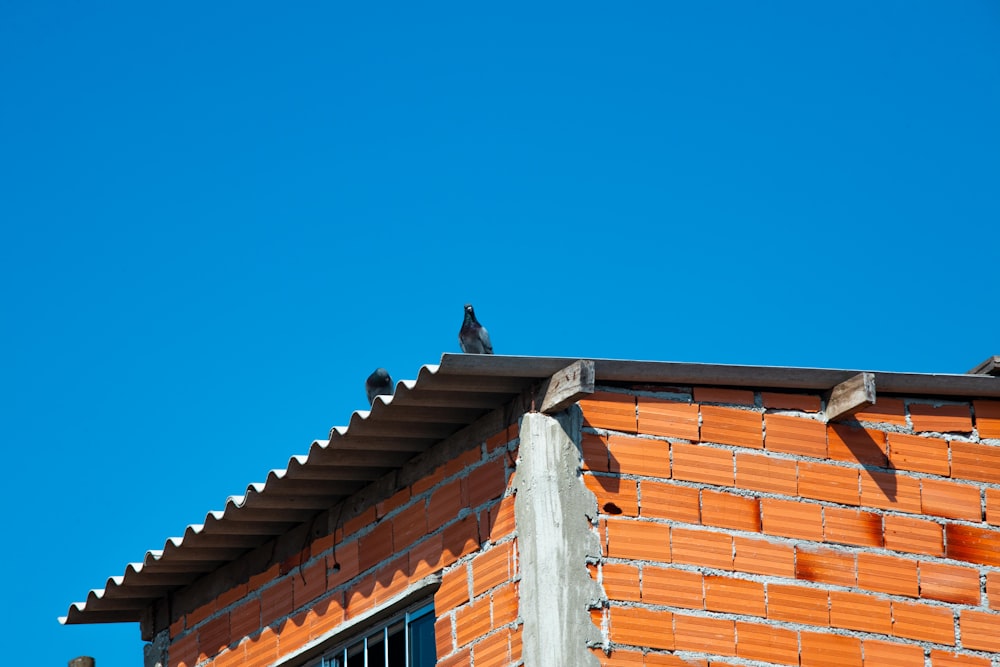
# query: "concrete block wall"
[[738, 528], [457, 521]]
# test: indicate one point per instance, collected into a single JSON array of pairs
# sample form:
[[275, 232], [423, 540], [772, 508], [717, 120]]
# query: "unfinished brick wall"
[[477, 604], [458, 521], [739, 529]]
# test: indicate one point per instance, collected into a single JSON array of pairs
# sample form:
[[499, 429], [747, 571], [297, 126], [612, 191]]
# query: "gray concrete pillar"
[[555, 540], [155, 652]]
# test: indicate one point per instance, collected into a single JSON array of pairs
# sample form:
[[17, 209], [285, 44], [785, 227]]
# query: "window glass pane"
[[356, 655], [376, 650], [397, 645], [422, 650]]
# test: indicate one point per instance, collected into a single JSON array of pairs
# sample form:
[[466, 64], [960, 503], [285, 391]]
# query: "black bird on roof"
[[473, 336], [378, 384]]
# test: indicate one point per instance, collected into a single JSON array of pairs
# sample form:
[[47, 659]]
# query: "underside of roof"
[[442, 400]]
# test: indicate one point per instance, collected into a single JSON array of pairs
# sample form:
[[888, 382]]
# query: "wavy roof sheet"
[[442, 400]]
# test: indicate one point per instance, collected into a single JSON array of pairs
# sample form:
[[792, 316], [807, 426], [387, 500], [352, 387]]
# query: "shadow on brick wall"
[[870, 454]]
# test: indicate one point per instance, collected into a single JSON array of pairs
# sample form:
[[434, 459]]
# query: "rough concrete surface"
[[155, 652], [551, 508]]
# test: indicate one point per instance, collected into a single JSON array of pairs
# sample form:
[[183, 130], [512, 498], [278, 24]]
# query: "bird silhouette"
[[378, 384], [473, 336]]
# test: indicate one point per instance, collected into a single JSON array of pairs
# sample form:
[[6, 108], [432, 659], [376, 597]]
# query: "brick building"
[[508, 510]]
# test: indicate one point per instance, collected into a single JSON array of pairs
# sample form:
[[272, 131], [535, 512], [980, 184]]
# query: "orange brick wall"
[[458, 521], [738, 528]]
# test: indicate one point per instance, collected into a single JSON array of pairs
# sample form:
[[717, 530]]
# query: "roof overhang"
[[440, 403]]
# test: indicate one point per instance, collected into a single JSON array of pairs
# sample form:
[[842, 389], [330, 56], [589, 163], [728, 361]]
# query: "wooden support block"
[[851, 395], [989, 367], [566, 387]]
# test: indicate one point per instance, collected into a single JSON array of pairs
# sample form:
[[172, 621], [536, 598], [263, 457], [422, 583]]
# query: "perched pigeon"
[[473, 336], [378, 384]]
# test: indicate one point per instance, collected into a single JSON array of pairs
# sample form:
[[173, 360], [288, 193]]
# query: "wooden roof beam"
[[565, 387], [853, 394], [989, 367]]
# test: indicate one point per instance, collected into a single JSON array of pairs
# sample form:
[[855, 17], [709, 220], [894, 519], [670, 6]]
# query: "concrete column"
[[155, 652], [552, 509]]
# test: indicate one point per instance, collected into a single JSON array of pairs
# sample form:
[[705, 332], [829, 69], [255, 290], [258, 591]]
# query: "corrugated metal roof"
[[441, 401]]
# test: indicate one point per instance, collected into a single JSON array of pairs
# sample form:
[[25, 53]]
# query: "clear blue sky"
[[218, 218]]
